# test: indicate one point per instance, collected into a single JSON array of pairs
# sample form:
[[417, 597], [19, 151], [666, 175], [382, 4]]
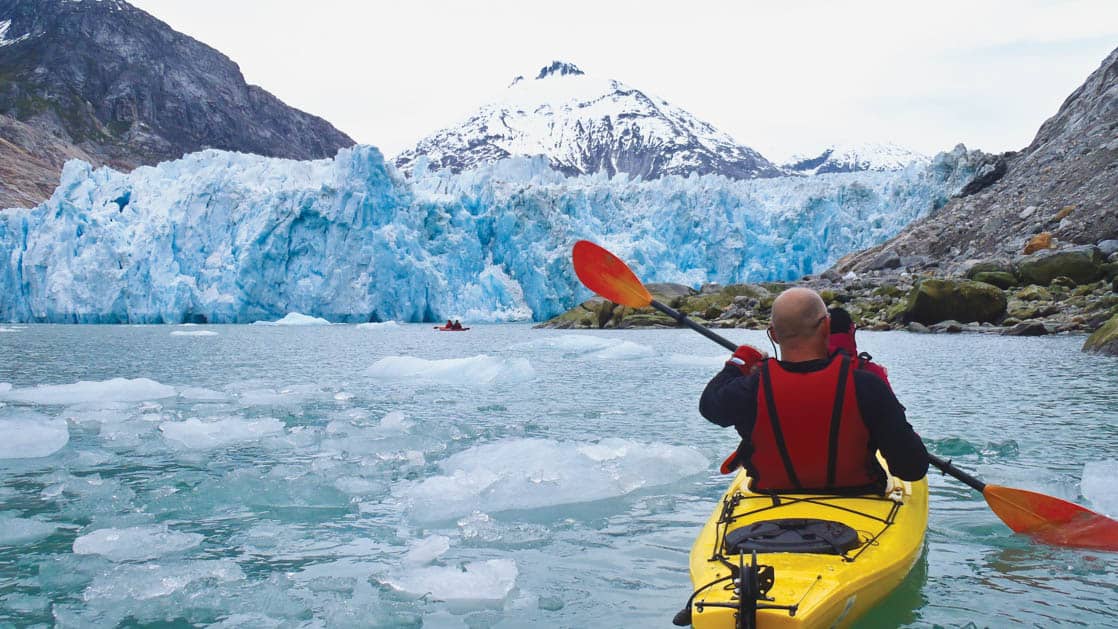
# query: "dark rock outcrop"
[[1065, 183], [1082, 265], [1105, 339], [934, 300], [109, 82]]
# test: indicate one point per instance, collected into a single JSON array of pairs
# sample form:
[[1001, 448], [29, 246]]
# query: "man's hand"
[[747, 358]]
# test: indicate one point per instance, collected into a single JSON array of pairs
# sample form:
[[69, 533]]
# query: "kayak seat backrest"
[[793, 535]]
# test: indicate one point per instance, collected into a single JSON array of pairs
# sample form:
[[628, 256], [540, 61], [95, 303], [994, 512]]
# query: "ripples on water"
[[271, 476]]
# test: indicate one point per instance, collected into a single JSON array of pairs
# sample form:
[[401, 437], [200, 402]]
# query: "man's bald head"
[[797, 314]]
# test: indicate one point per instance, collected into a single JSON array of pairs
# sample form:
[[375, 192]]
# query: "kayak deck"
[[809, 589]]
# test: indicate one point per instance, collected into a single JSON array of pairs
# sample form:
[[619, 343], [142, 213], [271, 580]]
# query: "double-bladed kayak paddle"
[[1044, 518]]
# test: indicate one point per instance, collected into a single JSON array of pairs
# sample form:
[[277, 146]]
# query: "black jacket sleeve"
[[889, 428], [730, 399]]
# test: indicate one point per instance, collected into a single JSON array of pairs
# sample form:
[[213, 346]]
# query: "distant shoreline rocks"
[[1047, 292]]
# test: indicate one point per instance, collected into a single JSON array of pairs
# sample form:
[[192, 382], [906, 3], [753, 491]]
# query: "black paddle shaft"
[[947, 468], [701, 329]]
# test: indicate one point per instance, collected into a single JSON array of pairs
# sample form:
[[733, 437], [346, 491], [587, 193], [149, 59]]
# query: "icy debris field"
[[395, 476]]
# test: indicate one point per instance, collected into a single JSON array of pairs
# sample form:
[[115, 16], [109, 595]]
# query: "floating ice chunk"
[[490, 580], [198, 434], [147, 581], [114, 390], [31, 435], [533, 473], [135, 543], [625, 350], [295, 318], [202, 394], [4, 329], [378, 325], [394, 422], [15, 531], [571, 343], [426, 550], [1098, 485], [5, 387], [480, 369], [691, 360], [193, 333]]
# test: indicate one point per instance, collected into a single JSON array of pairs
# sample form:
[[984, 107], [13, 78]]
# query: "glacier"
[[223, 237]]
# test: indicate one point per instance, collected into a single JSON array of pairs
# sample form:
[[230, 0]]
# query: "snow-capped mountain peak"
[[558, 68], [846, 157], [584, 125]]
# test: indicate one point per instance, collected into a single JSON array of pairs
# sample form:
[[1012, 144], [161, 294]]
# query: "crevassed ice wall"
[[230, 237]]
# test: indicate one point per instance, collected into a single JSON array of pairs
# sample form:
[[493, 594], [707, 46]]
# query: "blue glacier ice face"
[[229, 237]]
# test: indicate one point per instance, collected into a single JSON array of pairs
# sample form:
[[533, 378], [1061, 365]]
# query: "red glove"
[[746, 358]]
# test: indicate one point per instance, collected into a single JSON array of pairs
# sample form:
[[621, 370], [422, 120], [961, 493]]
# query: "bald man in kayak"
[[811, 421]]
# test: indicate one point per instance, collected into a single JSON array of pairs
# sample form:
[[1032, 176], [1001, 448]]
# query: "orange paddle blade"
[[1051, 520], [606, 275]]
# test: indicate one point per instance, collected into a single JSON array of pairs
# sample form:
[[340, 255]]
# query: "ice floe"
[[199, 434], [490, 580], [378, 325], [193, 333], [15, 531], [114, 390], [146, 581], [625, 350], [426, 550], [1098, 485], [533, 473], [27, 435], [295, 318], [135, 543], [480, 369]]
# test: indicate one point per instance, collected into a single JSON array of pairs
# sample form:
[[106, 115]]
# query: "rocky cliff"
[[109, 83], [1059, 191]]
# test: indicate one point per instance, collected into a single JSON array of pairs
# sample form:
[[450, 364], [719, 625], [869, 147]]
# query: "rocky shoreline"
[[1048, 291]]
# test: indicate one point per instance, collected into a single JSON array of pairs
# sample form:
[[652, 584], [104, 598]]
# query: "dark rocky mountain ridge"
[[106, 81], [1061, 190]]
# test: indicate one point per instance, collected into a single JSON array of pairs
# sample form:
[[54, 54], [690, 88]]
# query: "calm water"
[[340, 476]]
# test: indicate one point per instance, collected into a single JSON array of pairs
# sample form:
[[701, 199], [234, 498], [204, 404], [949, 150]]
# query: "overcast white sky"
[[782, 77]]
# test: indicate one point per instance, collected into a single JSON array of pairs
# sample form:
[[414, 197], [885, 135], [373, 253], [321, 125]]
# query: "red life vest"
[[809, 434]]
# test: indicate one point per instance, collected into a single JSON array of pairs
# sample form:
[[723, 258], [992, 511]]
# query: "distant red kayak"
[[446, 329]]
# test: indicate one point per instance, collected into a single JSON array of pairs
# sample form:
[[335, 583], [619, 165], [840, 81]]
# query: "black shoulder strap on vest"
[[836, 421], [778, 435]]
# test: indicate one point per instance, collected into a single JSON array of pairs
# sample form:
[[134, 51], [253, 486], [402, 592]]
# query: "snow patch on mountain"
[[584, 125], [847, 158]]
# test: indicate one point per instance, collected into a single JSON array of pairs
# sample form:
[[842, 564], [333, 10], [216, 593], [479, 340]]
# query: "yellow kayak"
[[807, 560]]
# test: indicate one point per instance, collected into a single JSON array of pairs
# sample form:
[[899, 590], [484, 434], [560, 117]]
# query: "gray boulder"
[[935, 300], [1082, 265]]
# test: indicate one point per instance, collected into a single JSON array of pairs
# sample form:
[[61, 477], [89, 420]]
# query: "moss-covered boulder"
[[990, 266], [1105, 339], [1082, 265], [935, 300], [1001, 279], [1033, 293]]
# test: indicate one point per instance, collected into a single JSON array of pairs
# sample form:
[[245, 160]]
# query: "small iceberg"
[[32, 436], [193, 333], [136, 543], [295, 318], [378, 325], [476, 370], [535, 473], [196, 434], [114, 390], [490, 580]]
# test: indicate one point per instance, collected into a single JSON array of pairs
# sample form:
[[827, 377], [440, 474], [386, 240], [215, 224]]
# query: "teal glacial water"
[[395, 476]]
